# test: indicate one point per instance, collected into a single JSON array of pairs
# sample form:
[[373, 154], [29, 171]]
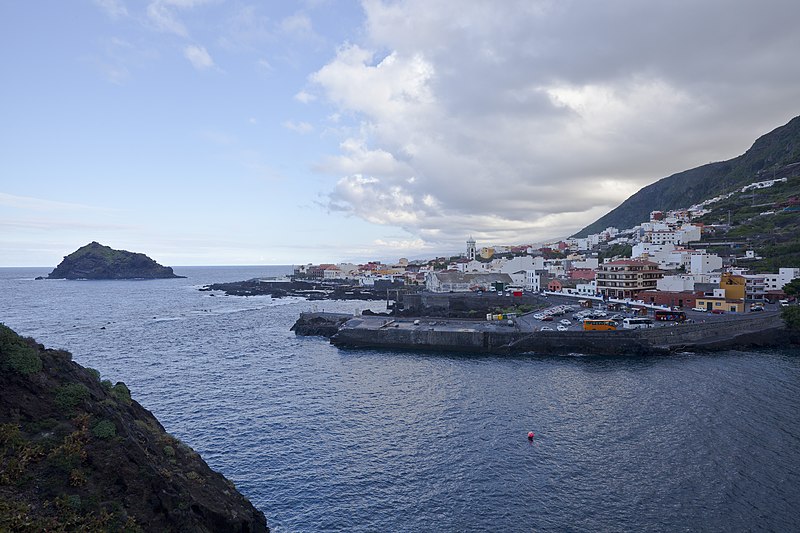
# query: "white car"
[[699, 309], [565, 322], [546, 328], [562, 328]]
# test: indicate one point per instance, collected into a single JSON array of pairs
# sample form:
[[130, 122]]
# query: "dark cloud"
[[524, 120]]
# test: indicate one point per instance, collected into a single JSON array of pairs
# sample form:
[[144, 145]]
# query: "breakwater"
[[475, 336]]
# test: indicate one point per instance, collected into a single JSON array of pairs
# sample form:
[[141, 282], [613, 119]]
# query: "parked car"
[[565, 322], [718, 311], [699, 309], [547, 318], [546, 328], [562, 328]]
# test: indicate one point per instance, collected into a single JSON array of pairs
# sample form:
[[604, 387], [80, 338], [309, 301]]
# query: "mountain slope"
[[771, 152]]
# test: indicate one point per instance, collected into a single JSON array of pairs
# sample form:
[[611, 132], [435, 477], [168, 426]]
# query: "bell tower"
[[471, 248]]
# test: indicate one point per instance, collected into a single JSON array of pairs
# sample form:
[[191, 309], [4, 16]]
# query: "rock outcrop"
[[78, 454], [95, 261]]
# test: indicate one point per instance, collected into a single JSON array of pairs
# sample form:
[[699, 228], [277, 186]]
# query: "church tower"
[[471, 248]]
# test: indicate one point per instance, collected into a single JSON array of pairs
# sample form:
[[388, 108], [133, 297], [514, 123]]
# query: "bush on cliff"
[[16, 354], [791, 316]]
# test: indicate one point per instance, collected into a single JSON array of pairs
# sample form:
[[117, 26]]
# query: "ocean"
[[323, 439]]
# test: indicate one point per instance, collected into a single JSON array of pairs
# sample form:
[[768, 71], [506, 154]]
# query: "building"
[[703, 263], [471, 249], [624, 278], [454, 281], [734, 286], [685, 299], [712, 303], [775, 282]]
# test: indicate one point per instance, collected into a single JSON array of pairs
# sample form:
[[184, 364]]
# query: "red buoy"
[[530, 435]]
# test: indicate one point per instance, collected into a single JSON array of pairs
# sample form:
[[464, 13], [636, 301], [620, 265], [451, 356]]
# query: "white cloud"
[[113, 8], [163, 14], [298, 24], [198, 56], [526, 120], [299, 127], [304, 97]]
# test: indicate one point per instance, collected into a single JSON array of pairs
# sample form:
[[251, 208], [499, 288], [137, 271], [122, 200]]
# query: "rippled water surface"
[[324, 439]]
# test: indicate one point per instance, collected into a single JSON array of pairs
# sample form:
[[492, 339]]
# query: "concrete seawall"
[[763, 329]]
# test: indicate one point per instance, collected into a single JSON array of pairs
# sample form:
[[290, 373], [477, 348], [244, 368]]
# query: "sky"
[[213, 132]]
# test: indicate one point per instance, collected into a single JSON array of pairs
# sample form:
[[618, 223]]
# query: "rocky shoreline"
[[311, 290]]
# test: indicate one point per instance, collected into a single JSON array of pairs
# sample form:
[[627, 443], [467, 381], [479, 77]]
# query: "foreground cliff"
[[78, 454], [95, 261]]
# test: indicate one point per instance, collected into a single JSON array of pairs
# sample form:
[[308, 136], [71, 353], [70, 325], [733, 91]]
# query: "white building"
[[650, 249], [703, 263], [675, 284], [525, 262], [775, 282], [471, 249]]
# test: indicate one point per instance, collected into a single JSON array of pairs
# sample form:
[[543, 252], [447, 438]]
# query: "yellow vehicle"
[[593, 324]]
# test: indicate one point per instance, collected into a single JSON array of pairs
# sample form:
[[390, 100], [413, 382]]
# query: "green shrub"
[[105, 429], [16, 354], [122, 393], [169, 451], [9, 434], [791, 316], [107, 385], [94, 372], [69, 396]]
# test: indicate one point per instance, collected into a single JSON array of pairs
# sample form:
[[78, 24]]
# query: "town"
[[661, 263]]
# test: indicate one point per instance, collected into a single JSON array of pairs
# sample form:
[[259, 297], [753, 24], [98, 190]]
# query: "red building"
[[685, 299], [585, 274]]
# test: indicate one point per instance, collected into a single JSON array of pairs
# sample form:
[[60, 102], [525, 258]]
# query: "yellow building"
[[722, 304], [734, 286]]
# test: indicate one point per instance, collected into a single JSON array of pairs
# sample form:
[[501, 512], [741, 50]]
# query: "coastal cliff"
[[95, 261], [78, 454]]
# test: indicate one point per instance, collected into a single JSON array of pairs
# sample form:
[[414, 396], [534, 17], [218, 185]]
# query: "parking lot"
[[565, 314]]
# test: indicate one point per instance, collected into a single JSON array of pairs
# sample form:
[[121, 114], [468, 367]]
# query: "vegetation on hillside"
[[765, 221], [768, 156], [78, 454]]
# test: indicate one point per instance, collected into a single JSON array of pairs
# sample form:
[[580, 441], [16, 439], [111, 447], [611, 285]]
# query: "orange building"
[[734, 286]]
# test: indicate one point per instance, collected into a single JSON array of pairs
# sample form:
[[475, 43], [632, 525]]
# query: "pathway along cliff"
[[475, 336], [78, 454]]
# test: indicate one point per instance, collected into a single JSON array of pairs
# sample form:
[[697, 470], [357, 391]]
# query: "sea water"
[[323, 439]]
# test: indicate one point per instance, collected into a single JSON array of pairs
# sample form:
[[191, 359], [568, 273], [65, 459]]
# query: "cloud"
[[113, 8], [31, 203], [246, 29], [527, 120], [198, 56], [163, 14], [298, 25], [299, 127], [304, 97]]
